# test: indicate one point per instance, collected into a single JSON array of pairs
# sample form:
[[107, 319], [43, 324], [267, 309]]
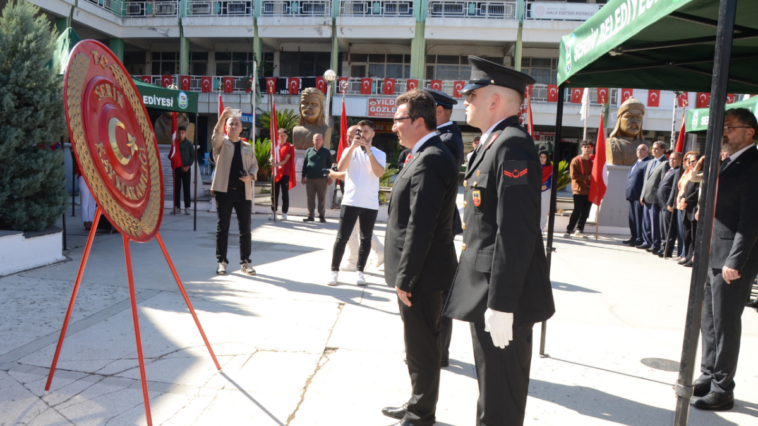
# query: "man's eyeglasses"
[[399, 119], [728, 129]]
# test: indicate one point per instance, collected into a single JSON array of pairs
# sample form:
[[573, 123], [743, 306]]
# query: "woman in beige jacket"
[[236, 168]]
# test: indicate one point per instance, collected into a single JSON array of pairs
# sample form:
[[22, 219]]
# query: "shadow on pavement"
[[571, 287], [461, 368], [250, 397]]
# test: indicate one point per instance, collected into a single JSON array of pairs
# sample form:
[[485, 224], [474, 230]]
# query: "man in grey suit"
[[651, 225]]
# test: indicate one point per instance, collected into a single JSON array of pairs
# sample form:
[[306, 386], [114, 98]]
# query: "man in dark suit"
[[733, 262], [633, 192], [667, 186], [420, 256], [502, 286], [450, 135], [654, 172]]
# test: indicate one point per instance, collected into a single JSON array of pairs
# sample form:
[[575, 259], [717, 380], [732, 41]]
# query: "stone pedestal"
[[614, 210], [298, 197]]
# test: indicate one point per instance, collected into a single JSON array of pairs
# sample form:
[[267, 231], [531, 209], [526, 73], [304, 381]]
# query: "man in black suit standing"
[[420, 258], [733, 262], [633, 192], [653, 174], [450, 135], [667, 186], [502, 286]]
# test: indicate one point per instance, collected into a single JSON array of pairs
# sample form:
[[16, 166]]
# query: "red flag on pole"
[[626, 94], [730, 98], [274, 135], [436, 84], [599, 170], [174, 155], [411, 84], [703, 99], [365, 86], [529, 118], [602, 95], [206, 85], [271, 86], [343, 132], [166, 81], [146, 79], [683, 100], [320, 85], [221, 109], [293, 85], [552, 93], [228, 84], [680, 139], [576, 95], [457, 87], [185, 79], [343, 84]]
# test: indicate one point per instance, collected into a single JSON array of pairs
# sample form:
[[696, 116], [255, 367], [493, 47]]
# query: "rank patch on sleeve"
[[515, 173]]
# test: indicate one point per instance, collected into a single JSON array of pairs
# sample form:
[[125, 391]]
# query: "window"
[[135, 62], [447, 67], [380, 65], [234, 63], [165, 63], [543, 70], [303, 64], [198, 63]]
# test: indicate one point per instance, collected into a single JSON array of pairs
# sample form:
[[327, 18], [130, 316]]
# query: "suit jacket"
[[691, 196], [735, 228], [502, 265], [668, 184], [654, 173], [401, 158], [419, 254], [635, 180], [452, 138]]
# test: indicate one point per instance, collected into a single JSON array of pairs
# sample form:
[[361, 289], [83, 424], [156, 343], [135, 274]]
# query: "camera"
[[326, 171], [359, 136]]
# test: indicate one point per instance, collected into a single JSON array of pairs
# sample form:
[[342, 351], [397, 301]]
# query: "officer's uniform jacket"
[[502, 264], [453, 139], [419, 253]]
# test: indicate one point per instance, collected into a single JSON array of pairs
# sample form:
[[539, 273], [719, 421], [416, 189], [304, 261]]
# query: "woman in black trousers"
[[689, 192]]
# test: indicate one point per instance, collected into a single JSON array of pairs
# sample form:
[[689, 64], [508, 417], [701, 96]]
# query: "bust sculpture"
[[621, 147], [312, 119], [162, 127]]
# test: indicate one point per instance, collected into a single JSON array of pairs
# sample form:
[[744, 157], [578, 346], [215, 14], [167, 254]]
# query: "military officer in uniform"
[[420, 258], [451, 136], [502, 286]]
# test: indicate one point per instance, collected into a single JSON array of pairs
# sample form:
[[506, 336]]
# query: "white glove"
[[500, 326]]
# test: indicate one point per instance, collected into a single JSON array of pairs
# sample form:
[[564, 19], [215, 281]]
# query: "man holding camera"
[[236, 167], [364, 165], [316, 165]]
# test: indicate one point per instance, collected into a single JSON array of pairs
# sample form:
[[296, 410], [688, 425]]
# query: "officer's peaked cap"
[[484, 73], [442, 98]]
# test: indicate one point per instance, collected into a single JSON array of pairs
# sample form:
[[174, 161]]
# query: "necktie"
[[724, 164]]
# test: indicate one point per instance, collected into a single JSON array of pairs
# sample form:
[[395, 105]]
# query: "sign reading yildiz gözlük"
[[381, 107]]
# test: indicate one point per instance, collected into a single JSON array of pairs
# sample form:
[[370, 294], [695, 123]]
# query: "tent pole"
[[669, 244], [724, 33], [553, 194]]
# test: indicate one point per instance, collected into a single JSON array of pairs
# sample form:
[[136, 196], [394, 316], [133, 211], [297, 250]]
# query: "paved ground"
[[296, 352]]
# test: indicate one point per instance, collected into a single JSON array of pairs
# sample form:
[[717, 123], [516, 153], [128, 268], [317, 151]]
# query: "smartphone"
[[243, 173], [236, 112]]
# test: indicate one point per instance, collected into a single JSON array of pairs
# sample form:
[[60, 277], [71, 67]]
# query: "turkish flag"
[[576, 95], [166, 81], [602, 95], [730, 98], [436, 84], [146, 79], [626, 94], [206, 84], [365, 86], [703, 99], [321, 84], [598, 183], [653, 98], [411, 84], [552, 93], [683, 100], [389, 86], [271, 86], [249, 85], [228, 85], [457, 87], [185, 82], [342, 84], [293, 85]]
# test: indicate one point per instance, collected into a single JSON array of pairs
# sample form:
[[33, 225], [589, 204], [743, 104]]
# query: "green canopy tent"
[[63, 46], [683, 45], [697, 119], [164, 99]]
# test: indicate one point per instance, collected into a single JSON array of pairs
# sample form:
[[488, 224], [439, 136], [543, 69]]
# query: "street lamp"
[[329, 76]]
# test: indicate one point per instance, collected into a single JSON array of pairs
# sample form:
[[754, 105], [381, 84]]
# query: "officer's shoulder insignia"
[[515, 172], [493, 138]]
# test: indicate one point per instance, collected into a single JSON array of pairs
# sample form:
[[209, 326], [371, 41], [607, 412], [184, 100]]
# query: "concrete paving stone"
[[276, 373], [101, 409], [118, 382], [61, 393], [188, 414], [362, 328], [184, 371], [245, 408], [17, 403]]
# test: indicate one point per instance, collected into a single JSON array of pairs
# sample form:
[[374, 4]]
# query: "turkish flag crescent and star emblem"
[[683, 100], [436, 84], [389, 86], [653, 98], [205, 85], [146, 79], [703, 99], [730, 98], [321, 84], [185, 79], [552, 93], [271, 86], [576, 95], [515, 172], [602, 95], [293, 86], [457, 86], [166, 81], [228, 85], [412, 84], [626, 94], [342, 85], [365, 86]]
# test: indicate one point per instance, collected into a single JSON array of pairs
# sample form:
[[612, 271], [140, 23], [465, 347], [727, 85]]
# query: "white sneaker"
[[359, 278], [567, 235], [221, 270], [186, 212], [284, 216], [332, 278], [247, 268], [271, 216], [346, 266], [580, 234]]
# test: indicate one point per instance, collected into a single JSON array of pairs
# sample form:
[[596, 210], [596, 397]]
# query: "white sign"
[[567, 11]]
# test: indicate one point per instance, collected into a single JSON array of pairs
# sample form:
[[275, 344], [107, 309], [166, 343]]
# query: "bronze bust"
[[312, 119], [621, 149]]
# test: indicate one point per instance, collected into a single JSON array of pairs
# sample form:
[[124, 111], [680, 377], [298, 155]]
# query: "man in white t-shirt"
[[364, 165]]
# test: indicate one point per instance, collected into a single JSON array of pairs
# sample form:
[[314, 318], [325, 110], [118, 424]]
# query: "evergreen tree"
[[32, 184]]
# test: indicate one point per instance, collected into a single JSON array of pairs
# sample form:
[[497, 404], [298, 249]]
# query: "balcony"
[[296, 8], [201, 8], [365, 9], [138, 9], [475, 10]]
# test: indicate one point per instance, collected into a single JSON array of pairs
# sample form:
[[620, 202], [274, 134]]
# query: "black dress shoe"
[[444, 363], [753, 304], [660, 254], [629, 242], [715, 402], [651, 249], [395, 412], [321, 219], [308, 219], [643, 246], [683, 261], [701, 388], [688, 264]]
